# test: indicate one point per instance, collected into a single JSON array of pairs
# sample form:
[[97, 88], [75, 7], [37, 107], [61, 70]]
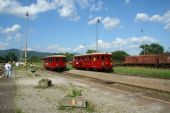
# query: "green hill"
[[18, 52]]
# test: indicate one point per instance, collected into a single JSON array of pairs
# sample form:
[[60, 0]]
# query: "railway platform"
[[145, 82]]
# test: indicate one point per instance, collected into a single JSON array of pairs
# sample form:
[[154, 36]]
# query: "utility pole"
[[98, 21], [26, 41], [20, 55], [143, 42]]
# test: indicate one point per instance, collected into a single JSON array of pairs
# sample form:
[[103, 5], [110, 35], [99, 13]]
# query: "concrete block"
[[74, 102], [45, 83]]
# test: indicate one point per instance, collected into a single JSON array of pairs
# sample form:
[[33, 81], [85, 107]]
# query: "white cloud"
[[165, 19], [83, 3], [79, 48], [67, 9], [3, 45], [94, 20], [17, 9], [126, 44], [12, 33], [103, 45], [141, 17], [167, 27], [133, 46], [108, 22], [146, 17], [97, 7], [121, 43], [127, 1], [56, 48], [12, 29]]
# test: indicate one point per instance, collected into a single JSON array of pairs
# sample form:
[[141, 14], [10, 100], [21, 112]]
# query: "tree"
[[12, 56], [91, 51], [34, 59], [153, 48], [69, 56], [2, 59], [119, 56]]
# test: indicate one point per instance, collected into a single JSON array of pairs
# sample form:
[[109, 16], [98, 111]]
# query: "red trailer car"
[[55, 62], [93, 61]]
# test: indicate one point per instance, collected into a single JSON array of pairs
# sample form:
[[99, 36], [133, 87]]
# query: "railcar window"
[[90, 57], [64, 59], [56, 59], [102, 57], [97, 57]]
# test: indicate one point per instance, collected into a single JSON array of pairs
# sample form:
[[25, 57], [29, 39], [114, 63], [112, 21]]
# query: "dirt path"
[[7, 96]]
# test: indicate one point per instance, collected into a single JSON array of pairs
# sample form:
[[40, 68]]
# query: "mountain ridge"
[[18, 52]]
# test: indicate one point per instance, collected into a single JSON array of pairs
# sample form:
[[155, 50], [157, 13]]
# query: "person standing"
[[8, 69]]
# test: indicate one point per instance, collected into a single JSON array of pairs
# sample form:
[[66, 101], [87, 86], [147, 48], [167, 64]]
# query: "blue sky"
[[70, 25]]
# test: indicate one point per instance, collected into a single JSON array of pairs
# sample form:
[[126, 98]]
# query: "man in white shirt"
[[8, 69]]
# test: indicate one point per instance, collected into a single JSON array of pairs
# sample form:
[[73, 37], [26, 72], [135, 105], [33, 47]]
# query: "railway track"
[[144, 93]]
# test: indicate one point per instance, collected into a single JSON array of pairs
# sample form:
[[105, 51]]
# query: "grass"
[[69, 66], [143, 71], [61, 106], [90, 107], [75, 93], [18, 111]]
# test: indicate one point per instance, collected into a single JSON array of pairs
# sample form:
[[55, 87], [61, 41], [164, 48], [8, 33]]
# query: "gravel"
[[31, 99]]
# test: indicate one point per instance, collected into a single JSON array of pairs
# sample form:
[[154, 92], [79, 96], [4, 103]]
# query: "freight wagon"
[[148, 60]]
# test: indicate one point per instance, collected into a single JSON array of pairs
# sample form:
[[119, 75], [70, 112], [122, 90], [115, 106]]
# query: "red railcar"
[[55, 62], [93, 61]]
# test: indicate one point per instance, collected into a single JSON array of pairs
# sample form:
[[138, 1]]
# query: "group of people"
[[8, 70]]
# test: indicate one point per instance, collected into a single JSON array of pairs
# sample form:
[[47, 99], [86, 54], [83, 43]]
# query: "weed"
[[75, 93], [18, 111], [90, 107], [61, 106]]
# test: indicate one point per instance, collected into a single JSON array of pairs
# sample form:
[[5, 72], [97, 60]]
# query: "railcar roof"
[[93, 54], [55, 56], [141, 55]]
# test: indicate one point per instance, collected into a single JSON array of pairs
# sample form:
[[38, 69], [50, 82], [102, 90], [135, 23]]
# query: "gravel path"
[[31, 99], [7, 96]]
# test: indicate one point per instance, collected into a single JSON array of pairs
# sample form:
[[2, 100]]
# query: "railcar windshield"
[[105, 57], [63, 59]]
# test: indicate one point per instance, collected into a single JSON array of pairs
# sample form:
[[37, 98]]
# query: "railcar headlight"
[[102, 63]]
